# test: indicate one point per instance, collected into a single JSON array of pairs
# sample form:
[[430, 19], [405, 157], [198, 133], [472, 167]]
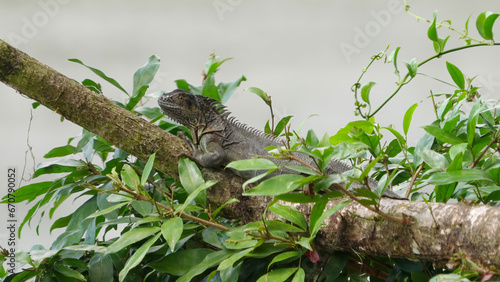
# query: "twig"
[[413, 179], [397, 219], [493, 141], [192, 217]]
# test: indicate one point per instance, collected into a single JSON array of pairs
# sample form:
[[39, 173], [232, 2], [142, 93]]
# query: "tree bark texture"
[[437, 233]]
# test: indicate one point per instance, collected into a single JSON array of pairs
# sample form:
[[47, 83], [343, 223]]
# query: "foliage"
[[167, 232]]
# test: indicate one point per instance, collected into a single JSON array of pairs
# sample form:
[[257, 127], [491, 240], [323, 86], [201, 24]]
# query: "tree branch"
[[471, 231]]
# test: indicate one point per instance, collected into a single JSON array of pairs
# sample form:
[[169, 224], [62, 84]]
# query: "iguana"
[[218, 138]]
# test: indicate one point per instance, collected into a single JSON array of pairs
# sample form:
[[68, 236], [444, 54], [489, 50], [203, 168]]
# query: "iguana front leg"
[[209, 153]]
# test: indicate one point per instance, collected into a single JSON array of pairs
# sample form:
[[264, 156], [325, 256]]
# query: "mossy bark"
[[473, 232]]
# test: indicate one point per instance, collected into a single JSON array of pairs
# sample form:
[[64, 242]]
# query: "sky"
[[305, 54]]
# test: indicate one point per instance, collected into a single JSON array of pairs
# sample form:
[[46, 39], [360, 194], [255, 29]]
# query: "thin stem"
[[464, 35], [357, 85], [493, 141], [397, 219], [192, 217], [434, 105], [304, 163], [400, 85], [413, 178]]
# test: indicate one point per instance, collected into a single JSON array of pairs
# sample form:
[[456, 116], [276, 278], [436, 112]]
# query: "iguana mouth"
[[173, 109]]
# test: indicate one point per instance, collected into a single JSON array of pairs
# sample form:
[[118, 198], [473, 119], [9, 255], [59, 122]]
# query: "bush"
[[169, 232]]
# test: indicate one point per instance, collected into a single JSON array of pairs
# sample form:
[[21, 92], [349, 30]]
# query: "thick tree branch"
[[471, 231], [438, 232]]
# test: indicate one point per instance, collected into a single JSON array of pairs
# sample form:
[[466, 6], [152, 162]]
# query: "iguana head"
[[181, 106]]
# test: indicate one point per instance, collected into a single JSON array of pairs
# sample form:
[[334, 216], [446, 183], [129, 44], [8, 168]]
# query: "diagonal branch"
[[471, 231]]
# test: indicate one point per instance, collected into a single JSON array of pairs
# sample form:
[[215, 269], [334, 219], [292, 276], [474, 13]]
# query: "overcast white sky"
[[305, 54]]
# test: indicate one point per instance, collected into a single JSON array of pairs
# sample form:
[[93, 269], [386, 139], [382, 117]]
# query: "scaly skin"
[[219, 139]]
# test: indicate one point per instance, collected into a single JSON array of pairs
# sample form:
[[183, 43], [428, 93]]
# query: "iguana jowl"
[[219, 139]]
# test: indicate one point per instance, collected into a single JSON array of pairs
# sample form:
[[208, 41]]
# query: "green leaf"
[[408, 117], [280, 226], [456, 74], [147, 169], [267, 249], [233, 258], [317, 211], [400, 139], [209, 261], [448, 277], [68, 272], [191, 179], [209, 89], [60, 151], [92, 85], [277, 185], [284, 256], [464, 175], [335, 265], [433, 159], [179, 263], [239, 240], [252, 164], [291, 214], [144, 208], [30, 192], [302, 169], [172, 231], [230, 201], [145, 75], [108, 210], [189, 174], [88, 151], [488, 25], [86, 247], [57, 166], [369, 167], [226, 90], [312, 138], [443, 135], [305, 242], [134, 100], [295, 198], [152, 113], [100, 267], [365, 91], [259, 92], [324, 215], [444, 192], [101, 74], [343, 135], [195, 196], [142, 78], [281, 125], [484, 24], [131, 237], [130, 177], [432, 32], [412, 67], [394, 58], [299, 276], [278, 275], [472, 122], [137, 257]]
